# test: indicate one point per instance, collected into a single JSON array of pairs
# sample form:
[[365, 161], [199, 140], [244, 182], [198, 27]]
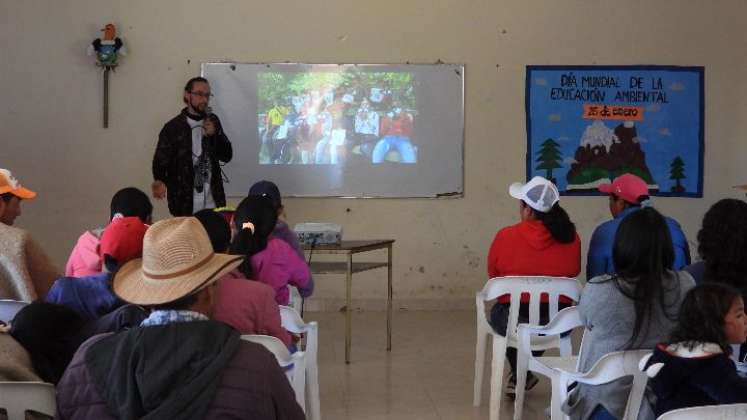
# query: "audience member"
[[282, 230], [178, 363], [268, 260], [15, 361], [695, 369], [85, 259], [722, 245], [544, 243], [635, 308], [91, 296], [51, 333], [627, 193], [248, 306], [26, 272]]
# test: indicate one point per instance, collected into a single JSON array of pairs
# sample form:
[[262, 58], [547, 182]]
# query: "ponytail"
[[254, 220], [558, 223]]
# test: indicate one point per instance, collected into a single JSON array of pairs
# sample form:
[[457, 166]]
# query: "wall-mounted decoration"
[[587, 125], [107, 51]]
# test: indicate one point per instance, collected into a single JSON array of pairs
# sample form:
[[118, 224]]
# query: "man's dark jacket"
[[172, 163]]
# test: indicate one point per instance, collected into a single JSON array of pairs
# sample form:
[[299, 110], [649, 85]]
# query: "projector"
[[311, 234]]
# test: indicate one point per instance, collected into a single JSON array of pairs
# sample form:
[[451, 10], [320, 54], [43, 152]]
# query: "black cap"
[[267, 189]]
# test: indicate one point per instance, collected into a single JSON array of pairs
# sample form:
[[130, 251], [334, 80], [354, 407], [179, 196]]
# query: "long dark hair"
[[259, 211], [643, 254], [51, 335], [722, 243], [558, 223], [702, 314]]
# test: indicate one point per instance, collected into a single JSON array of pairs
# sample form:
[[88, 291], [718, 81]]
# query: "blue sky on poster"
[[670, 126]]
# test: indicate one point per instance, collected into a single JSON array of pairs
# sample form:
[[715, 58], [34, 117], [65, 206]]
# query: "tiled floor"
[[428, 374]]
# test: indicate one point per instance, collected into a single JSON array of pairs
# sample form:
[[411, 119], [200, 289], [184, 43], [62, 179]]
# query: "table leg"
[[389, 300], [348, 308]]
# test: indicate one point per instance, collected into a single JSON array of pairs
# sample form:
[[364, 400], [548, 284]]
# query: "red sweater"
[[527, 249]]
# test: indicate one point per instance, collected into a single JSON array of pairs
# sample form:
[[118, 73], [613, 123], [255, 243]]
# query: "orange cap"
[[8, 184]]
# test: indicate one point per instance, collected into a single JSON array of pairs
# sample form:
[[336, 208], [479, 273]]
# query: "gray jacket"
[[610, 318]]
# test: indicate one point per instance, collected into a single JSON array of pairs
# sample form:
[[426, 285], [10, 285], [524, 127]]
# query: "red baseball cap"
[[626, 186], [123, 239]]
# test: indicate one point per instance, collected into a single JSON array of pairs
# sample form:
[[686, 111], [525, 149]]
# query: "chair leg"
[[480, 350], [522, 366], [496, 376], [312, 383], [559, 395]]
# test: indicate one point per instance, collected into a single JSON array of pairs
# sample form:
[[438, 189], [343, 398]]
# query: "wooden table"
[[349, 248]]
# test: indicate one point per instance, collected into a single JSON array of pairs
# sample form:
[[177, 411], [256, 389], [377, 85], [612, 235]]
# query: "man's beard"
[[199, 109]]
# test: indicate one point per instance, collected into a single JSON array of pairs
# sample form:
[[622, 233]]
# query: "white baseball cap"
[[539, 193]]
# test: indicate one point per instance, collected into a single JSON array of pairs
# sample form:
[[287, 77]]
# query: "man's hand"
[[159, 190], [208, 127]]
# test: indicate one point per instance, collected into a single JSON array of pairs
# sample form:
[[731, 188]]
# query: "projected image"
[[335, 118]]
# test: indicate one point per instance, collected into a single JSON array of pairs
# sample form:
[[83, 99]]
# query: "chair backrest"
[[728, 411], [535, 287], [616, 365], [18, 397], [9, 308], [295, 300], [291, 320], [293, 364]]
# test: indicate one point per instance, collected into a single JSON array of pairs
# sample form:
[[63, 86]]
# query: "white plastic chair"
[[294, 364], [558, 369], [295, 300], [553, 287], [18, 397], [726, 411], [616, 365], [291, 321], [9, 308]]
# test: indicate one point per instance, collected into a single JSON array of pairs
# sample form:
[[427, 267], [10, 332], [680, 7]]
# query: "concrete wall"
[[50, 107]]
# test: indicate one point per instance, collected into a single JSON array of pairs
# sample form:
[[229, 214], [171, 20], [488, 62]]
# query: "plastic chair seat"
[[567, 364]]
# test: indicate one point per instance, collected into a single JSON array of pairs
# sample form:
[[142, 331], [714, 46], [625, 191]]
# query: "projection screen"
[[342, 130]]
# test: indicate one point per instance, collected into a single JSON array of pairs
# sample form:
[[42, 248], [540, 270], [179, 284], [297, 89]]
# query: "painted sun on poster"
[[586, 125]]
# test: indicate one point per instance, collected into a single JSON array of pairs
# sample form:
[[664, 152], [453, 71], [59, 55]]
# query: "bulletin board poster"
[[586, 125]]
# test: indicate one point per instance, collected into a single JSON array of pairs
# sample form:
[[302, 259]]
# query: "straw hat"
[[178, 260]]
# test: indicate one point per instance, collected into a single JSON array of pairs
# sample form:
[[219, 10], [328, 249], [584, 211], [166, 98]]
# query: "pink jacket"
[[85, 260], [248, 306], [279, 265]]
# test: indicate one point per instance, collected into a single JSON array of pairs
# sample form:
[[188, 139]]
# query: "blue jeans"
[[401, 143], [601, 413]]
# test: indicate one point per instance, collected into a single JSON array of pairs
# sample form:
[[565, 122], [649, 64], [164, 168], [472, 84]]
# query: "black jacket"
[[172, 163], [685, 381]]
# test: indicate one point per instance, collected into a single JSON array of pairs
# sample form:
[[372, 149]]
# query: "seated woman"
[[268, 260], [635, 308], [91, 296], [544, 243], [248, 306], [695, 369], [722, 245]]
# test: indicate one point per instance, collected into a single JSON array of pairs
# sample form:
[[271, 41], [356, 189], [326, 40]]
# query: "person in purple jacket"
[[269, 260]]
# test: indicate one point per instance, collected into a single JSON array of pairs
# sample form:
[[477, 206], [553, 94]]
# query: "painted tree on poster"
[[549, 158], [677, 173]]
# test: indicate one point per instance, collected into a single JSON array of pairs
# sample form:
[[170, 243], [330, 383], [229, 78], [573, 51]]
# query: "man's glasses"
[[202, 94]]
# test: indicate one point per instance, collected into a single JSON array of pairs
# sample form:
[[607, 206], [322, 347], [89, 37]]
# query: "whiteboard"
[[342, 130]]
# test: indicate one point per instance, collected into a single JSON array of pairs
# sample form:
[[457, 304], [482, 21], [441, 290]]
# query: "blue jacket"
[[599, 260], [91, 297]]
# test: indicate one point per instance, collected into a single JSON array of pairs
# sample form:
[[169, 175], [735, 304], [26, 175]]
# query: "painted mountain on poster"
[[605, 153]]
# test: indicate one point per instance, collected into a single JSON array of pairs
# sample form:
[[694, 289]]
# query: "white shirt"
[[204, 199]]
